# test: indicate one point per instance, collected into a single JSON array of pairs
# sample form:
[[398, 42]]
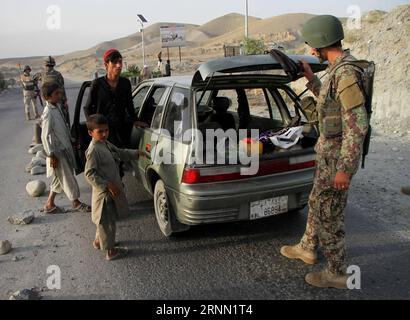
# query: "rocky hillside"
[[385, 39]]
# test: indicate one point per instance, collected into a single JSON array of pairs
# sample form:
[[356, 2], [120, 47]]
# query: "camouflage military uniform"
[[29, 93], [56, 77], [343, 123]]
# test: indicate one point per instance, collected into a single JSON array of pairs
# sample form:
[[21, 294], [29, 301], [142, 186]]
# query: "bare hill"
[[204, 42], [225, 24], [383, 37], [280, 29]]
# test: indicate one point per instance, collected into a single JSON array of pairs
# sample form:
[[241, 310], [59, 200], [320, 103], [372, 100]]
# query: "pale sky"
[[85, 23]]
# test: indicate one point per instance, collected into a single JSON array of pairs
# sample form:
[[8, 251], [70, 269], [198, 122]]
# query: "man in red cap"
[[111, 96]]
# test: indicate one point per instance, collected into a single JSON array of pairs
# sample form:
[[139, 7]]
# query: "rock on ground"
[[35, 149], [38, 171], [41, 154], [17, 258], [28, 168], [5, 247], [21, 219], [38, 162], [26, 294], [36, 188]]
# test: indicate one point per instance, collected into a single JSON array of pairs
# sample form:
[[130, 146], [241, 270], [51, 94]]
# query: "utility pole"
[[246, 19], [142, 20]]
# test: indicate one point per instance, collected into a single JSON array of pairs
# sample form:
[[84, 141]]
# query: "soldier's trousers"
[[326, 219], [30, 100]]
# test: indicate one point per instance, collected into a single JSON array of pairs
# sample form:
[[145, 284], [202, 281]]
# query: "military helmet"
[[27, 68], [323, 31], [49, 61]]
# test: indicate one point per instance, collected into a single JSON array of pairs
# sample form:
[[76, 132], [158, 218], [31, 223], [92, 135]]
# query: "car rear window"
[[258, 102]]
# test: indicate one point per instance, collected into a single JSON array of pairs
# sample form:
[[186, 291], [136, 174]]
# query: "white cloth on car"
[[288, 139]]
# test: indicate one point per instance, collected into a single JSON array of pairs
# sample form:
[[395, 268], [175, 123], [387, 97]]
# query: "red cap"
[[108, 53]]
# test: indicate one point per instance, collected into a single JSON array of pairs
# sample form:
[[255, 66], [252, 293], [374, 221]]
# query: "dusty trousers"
[[30, 100], [326, 219], [107, 228], [64, 179]]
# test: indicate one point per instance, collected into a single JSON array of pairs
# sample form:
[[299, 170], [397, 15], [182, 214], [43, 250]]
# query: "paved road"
[[233, 261]]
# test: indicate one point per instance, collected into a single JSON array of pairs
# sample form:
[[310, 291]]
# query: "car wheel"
[[161, 206], [164, 212]]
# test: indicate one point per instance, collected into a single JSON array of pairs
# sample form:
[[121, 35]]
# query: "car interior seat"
[[149, 110], [222, 117], [243, 109]]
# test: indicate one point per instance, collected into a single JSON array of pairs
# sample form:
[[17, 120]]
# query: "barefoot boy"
[[56, 138], [102, 173]]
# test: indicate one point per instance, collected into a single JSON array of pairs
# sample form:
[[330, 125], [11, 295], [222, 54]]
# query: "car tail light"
[[302, 162], [213, 174], [191, 176], [232, 173]]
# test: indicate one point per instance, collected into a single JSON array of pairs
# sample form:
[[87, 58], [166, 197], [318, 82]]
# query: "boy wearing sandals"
[[103, 174], [56, 138]]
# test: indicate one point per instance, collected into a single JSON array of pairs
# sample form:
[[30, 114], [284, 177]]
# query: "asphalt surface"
[[229, 261]]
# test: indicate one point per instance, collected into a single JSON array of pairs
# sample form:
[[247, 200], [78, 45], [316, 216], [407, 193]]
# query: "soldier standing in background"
[[50, 75], [168, 69], [29, 92], [146, 73], [343, 124]]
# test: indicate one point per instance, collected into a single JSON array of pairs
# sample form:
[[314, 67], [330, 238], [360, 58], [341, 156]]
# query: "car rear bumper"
[[230, 201]]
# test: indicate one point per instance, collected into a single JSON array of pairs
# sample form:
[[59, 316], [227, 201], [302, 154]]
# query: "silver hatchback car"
[[237, 94]]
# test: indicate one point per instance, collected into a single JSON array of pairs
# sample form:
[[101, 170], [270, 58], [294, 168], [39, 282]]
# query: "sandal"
[[83, 208], [121, 253], [55, 210], [97, 246]]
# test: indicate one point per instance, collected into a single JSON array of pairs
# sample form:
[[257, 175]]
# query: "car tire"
[[164, 213]]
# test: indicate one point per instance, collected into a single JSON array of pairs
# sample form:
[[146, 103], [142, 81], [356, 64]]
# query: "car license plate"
[[269, 207]]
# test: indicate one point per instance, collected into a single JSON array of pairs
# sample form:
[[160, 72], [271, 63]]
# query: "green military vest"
[[28, 82], [54, 77], [329, 109]]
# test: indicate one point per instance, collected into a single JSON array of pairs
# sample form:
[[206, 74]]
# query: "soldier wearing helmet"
[[51, 75], [343, 125], [29, 92]]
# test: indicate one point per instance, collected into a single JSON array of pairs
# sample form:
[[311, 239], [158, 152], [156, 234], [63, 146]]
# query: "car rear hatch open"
[[251, 72], [251, 63]]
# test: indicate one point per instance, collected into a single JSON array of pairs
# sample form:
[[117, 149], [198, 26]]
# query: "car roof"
[[185, 81]]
